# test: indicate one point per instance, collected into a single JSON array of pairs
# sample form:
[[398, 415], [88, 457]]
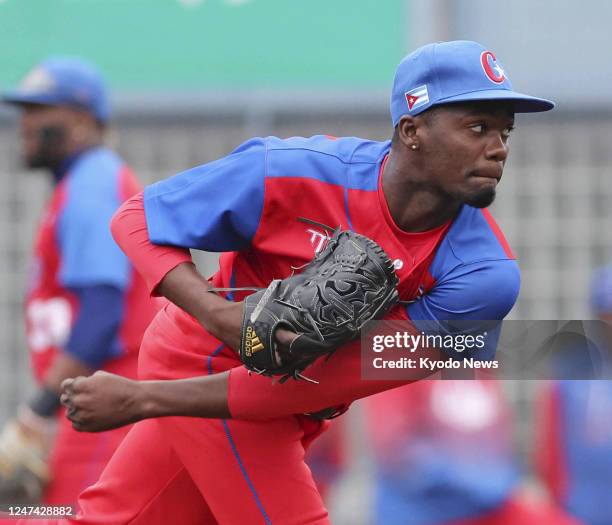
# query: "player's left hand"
[[101, 402]]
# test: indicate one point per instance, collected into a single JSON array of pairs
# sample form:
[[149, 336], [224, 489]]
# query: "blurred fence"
[[554, 204]]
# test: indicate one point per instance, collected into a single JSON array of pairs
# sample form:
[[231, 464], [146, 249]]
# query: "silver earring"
[[414, 146]]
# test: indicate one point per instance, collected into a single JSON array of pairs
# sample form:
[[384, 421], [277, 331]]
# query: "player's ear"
[[407, 132], [81, 125]]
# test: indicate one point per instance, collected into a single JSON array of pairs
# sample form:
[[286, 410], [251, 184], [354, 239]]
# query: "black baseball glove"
[[350, 282]]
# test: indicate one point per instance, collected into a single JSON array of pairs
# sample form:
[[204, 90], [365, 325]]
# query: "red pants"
[[190, 470], [77, 459]]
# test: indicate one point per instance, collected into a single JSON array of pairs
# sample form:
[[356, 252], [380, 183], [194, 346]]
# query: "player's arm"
[[170, 272], [93, 268], [482, 291], [88, 347], [105, 401], [242, 395], [95, 271], [214, 207], [185, 287]]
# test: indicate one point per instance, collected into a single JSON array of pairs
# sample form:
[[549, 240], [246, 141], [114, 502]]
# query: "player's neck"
[[85, 143], [415, 205], [65, 164]]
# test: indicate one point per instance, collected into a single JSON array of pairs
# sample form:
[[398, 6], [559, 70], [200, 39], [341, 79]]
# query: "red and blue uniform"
[[442, 452], [575, 447], [85, 299], [249, 204], [574, 431], [443, 456]]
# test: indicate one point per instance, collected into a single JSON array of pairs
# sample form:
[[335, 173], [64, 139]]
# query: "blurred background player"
[[574, 427], [443, 455], [85, 307]]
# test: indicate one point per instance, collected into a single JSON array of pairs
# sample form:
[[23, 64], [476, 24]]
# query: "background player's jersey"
[[250, 203], [442, 451], [576, 447], [73, 248]]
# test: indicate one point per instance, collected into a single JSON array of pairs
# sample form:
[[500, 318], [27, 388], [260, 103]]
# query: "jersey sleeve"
[[129, 229], [213, 207], [89, 255], [94, 331], [482, 291], [252, 396]]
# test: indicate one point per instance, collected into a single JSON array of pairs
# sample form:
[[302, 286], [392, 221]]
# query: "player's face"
[[44, 135], [466, 147]]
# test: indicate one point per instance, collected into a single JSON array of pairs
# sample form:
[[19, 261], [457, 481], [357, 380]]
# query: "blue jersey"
[[250, 203], [74, 251], [442, 452], [575, 452]]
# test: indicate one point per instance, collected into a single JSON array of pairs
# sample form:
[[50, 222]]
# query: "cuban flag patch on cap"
[[417, 97]]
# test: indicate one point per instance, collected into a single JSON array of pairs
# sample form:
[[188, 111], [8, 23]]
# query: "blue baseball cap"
[[458, 71], [63, 81]]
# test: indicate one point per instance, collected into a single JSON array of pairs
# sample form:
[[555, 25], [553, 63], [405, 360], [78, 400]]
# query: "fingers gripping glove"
[[350, 282]]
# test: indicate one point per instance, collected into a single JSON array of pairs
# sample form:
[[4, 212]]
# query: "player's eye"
[[478, 128], [506, 132]]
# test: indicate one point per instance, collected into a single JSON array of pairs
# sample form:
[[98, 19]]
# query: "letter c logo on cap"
[[492, 69]]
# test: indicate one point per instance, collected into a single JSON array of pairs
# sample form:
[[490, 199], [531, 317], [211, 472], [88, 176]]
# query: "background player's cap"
[[457, 71], [63, 81]]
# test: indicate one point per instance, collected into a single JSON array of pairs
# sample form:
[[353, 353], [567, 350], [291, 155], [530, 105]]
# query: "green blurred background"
[[160, 44]]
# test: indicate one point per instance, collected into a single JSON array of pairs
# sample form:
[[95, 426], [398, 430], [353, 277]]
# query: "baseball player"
[[443, 456], [86, 308], [574, 446], [422, 196]]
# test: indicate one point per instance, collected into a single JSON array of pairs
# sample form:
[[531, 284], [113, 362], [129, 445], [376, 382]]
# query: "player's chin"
[[480, 198]]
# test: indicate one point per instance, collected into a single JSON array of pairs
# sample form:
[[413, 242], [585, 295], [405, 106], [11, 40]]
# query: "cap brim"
[[522, 103], [18, 98]]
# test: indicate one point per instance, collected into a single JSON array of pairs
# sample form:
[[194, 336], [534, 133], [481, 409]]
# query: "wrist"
[[212, 314], [211, 304], [146, 401], [204, 396], [45, 403]]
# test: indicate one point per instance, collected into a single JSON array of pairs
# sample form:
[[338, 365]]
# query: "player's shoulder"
[[346, 150], [474, 239], [95, 177], [96, 161], [323, 158], [475, 235]]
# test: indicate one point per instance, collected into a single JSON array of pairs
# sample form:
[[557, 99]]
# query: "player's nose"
[[497, 148]]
